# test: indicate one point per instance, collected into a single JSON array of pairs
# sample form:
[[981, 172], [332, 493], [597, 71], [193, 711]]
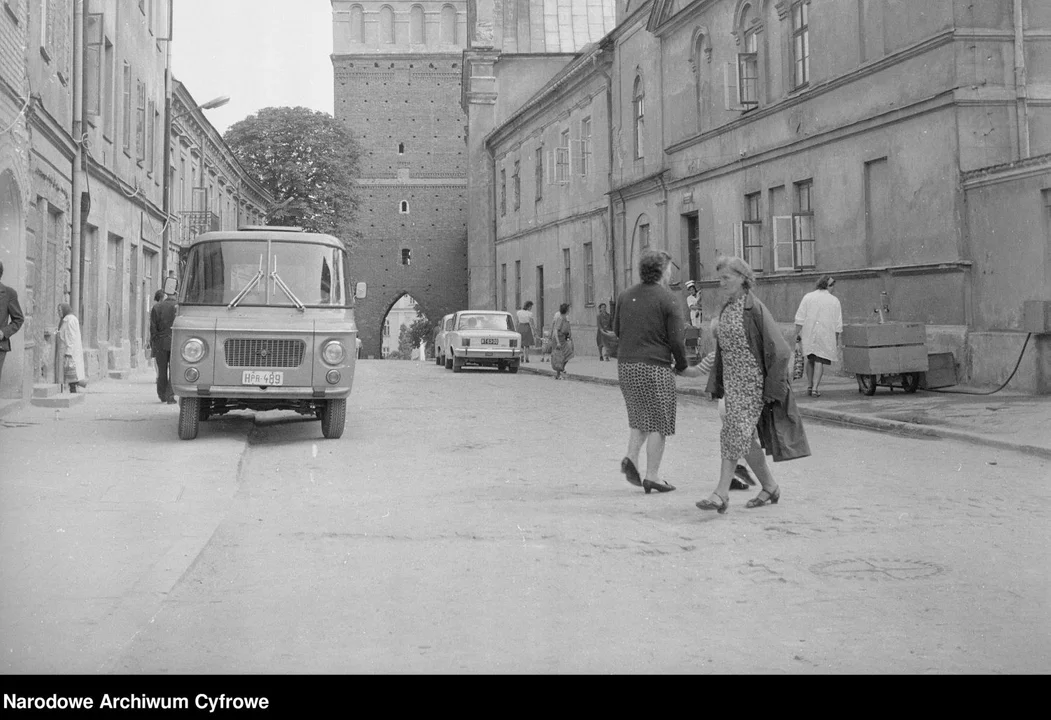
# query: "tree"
[[410, 336], [309, 162]]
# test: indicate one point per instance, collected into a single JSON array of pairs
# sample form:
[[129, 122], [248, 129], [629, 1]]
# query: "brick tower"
[[397, 70]]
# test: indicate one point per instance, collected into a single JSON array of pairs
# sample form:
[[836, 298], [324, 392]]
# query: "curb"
[[863, 422], [12, 406]]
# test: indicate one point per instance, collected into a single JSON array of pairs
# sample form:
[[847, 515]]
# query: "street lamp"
[[166, 238]]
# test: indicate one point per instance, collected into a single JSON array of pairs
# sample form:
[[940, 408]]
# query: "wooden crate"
[[941, 371], [876, 335]]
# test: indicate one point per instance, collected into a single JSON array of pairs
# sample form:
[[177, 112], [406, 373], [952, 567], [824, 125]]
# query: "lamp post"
[[166, 238]]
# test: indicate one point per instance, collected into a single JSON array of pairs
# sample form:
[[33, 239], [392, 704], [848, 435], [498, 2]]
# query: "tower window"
[[404, 207], [401, 148], [406, 256]]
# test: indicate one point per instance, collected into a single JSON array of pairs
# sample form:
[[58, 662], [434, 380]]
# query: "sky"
[[261, 53]]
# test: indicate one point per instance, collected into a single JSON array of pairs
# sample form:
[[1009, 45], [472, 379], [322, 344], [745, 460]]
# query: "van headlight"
[[333, 353], [193, 350]]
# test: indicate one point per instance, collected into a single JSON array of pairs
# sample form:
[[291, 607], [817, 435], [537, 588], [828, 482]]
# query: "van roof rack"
[[270, 228]]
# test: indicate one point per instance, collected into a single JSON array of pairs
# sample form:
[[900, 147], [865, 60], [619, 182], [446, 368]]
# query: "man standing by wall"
[[162, 316], [11, 318]]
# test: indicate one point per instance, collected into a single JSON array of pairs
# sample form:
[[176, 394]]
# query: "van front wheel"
[[333, 418], [189, 417]]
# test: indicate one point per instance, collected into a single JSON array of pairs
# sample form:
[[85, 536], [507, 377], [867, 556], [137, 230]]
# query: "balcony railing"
[[196, 222]]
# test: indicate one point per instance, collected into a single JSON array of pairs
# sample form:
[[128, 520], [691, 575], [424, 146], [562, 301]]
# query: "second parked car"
[[483, 337]]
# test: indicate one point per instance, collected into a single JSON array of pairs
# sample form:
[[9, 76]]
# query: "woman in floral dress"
[[739, 376]]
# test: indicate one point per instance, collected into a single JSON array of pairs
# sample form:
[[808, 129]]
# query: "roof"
[[555, 26], [267, 233]]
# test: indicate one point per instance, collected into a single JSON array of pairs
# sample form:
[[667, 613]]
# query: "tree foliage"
[[309, 162], [410, 336]]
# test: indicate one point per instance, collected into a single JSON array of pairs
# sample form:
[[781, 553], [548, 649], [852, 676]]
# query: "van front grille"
[[264, 353]]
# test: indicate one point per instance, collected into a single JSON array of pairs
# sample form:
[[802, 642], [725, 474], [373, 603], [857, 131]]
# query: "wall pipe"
[[76, 269]]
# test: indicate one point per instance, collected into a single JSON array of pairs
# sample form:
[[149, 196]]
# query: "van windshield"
[[219, 271]]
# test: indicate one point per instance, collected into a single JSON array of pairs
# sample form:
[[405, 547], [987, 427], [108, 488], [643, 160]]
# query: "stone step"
[[44, 390], [119, 374], [64, 400]]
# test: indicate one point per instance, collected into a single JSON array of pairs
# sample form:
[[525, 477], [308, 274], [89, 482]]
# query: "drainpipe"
[[1021, 89], [166, 189], [76, 269], [612, 243], [492, 206]]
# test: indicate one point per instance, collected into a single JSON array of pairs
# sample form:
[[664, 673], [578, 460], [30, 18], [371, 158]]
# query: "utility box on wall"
[[1036, 316]]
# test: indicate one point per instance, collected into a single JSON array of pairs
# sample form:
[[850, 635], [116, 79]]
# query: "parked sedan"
[[441, 350], [483, 337]]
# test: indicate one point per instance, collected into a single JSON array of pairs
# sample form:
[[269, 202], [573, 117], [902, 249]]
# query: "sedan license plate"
[[490, 341], [255, 377]]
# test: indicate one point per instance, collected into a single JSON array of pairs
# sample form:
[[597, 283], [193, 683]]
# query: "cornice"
[[39, 119], [111, 180], [635, 188], [1006, 172], [377, 57], [599, 211]]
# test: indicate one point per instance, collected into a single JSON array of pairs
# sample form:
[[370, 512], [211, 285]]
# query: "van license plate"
[[254, 377], [490, 341]]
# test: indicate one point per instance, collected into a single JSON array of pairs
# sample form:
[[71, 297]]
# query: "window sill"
[[800, 88], [11, 13]]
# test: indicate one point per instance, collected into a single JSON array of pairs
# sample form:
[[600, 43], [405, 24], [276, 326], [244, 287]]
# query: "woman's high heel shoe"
[[769, 499], [663, 487], [707, 504], [630, 472]]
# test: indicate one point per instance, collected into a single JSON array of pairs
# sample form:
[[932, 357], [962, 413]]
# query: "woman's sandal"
[[662, 486], [760, 501], [816, 394], [628, 468], [707, 504], [809, 391]]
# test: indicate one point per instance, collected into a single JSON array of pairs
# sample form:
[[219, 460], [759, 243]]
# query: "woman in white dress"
[[70, 349], [819, 322]]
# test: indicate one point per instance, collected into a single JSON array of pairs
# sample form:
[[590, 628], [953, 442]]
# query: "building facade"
[[537, 97], [15, 188], [208, 188], [84, 178], [397, 74], [901, 147]]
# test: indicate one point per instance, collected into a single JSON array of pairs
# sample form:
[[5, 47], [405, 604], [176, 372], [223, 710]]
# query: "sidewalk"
[[1008, 420]]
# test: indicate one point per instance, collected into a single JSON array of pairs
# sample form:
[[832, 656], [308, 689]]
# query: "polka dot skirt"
[[649, 393]]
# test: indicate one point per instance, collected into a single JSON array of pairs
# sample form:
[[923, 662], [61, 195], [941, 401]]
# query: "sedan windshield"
[[254, 273], [485, 322]]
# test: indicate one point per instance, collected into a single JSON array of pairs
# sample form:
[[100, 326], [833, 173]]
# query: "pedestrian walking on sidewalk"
[[561, 342], [11, 318], [162, 316], [604, 326], [71, 349], [527, 328], [651, 352], [819, 322], [750, 371]]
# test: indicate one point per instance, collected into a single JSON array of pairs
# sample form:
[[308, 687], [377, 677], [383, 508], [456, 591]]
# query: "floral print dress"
[[742, 384]]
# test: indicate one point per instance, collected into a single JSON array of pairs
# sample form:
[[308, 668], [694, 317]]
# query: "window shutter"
[[783, 255], [550, 159], [730, 86], [739, 240]]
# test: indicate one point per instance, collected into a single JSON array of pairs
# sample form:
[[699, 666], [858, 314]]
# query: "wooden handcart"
[[892, 354]]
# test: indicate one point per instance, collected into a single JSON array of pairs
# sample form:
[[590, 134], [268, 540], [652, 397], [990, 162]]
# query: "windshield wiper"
[[281, 284], [248, 288]]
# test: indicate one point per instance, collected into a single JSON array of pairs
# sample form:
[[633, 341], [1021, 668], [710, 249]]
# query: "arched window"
[[700, 67], [416, 25], [747, 30], [401, 148], [639, 106], [357, 24], [404, 207], [448, 32], [386, 24]]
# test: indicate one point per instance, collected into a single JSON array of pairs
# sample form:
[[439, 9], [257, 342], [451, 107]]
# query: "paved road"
[[476, 522]]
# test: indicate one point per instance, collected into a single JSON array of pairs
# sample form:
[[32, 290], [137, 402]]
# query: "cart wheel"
[[911, 382], [867, 384]]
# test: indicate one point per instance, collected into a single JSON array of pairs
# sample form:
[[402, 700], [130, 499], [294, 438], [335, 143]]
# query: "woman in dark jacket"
[[751, 372], [649, 324]]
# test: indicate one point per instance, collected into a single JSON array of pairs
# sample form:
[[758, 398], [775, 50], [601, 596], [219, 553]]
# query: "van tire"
[[189, 417], [334, 418]]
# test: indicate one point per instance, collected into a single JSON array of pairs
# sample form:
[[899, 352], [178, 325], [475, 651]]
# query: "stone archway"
[[12, 252], [371, 313]]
